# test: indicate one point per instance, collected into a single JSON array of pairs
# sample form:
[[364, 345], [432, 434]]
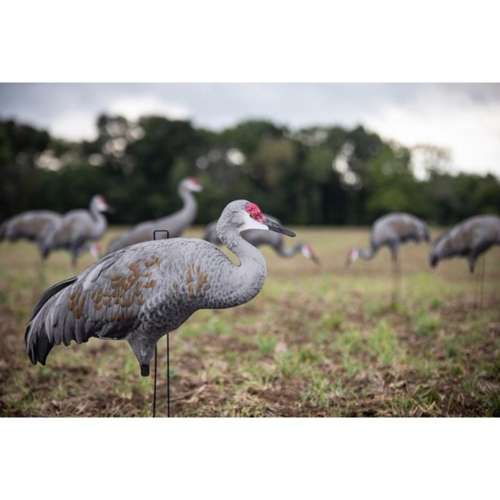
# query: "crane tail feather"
[[38, 346], [38, 342]]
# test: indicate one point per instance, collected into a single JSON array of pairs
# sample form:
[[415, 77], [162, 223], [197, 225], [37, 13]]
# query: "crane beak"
[[278, 228]]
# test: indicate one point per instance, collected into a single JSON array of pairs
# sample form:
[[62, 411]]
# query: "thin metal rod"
[[154, 382], [482, 282], [156, 350], [168, 374], [396, 273]]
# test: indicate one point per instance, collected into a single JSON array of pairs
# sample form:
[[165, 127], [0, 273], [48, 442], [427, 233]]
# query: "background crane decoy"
[[470, 239], [392, 230], [176, 223], [144, 291], [33, 226], [261, 238], [79, 229]]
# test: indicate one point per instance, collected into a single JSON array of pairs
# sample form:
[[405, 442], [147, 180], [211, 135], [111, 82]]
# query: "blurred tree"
[[314, 175]]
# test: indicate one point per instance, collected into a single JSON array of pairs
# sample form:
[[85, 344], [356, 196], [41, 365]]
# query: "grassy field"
[[317, 341]]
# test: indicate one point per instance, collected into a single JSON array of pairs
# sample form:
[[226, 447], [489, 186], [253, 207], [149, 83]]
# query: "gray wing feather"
[[103, 301]]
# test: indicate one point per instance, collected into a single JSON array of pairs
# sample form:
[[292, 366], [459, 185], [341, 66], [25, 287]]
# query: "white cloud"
[[74, 125], [469, 128], [132, 107], [79, 124]]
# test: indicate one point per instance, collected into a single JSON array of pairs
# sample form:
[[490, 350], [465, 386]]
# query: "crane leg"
[[396, 272], [41, 271], [74, 259]]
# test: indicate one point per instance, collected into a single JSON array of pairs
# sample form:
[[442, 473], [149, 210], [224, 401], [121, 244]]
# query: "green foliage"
[[294, 175]]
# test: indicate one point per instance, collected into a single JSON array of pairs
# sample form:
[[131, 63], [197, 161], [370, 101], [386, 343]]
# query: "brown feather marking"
[[124, 290], [153, 261], [196, 280], [202, 281]]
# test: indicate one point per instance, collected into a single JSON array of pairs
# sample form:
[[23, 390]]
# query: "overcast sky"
[[465, 118]]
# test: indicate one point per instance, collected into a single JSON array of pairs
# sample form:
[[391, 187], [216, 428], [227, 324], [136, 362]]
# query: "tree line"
[[316, 175]]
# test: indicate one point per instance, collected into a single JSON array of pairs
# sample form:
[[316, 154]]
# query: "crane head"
[[309, 253], [433, 259], [352, 256], [101, 204], [193, 184], [96, 250], [242, 215], [254, 218]]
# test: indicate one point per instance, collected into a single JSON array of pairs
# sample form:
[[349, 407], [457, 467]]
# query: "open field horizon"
[[317, 341]]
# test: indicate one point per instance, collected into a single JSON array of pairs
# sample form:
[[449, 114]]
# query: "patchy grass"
[[426, 324], [317, 341]]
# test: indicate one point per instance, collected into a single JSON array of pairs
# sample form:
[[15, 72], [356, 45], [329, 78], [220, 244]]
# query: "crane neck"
[[244, 281], [100, 222], [289, 251], [366, 253], [190, 205]]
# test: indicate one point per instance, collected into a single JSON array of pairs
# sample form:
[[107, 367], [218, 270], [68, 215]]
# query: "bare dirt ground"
[[317, 341]]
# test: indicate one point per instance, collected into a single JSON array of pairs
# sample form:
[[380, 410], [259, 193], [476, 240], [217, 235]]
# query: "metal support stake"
[[482, 282], [156, 353], [168, 374], [154, 383]]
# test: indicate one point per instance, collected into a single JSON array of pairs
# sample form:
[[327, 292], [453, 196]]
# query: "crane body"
[[143, 291], [33, 226], [470, 239], [78, 229], [392, 230]]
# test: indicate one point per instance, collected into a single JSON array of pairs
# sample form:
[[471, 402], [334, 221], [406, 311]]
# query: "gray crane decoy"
[[144, 291], [261, 238], [176, 223], [392, 230], [33, 226], [470, 239], [79, 229]]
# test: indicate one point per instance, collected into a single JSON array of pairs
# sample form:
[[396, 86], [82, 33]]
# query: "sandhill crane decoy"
[[144, 291], [34, 226], [469, 239], [78, 229], [176, 223], [260, 238], [392, 230]]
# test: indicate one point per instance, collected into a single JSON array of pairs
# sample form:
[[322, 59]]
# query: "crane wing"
[[103, 301]]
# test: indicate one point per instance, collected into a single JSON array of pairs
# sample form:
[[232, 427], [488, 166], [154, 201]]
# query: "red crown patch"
[[254, 211]]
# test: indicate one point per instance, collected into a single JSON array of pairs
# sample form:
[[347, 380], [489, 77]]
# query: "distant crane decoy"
[[144, 291], [469, 239], [261, 238], [33, 226], [79, 229], [392, 230], [176, 223]]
